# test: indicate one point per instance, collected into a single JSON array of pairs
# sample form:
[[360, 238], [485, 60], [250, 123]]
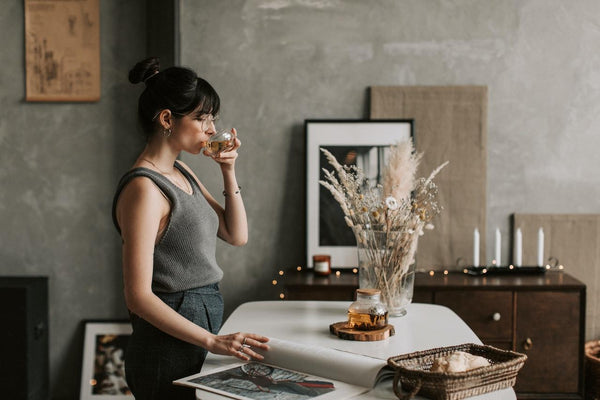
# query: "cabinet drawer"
[[489, 313]]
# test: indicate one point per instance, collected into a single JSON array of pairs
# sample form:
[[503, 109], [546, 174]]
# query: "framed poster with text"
[[62, 50]]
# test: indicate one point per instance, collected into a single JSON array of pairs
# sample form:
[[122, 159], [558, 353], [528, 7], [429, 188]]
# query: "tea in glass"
[[220, 142]]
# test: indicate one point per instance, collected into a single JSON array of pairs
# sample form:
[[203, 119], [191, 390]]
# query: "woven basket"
[[412, 371], [592, 370]]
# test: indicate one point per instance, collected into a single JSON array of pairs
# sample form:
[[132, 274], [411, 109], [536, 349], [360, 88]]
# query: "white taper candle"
[[540, 254], [518, 248], [498, 247], [476, 247]]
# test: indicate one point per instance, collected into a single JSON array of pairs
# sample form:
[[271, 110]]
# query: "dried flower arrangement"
[[387, 218]]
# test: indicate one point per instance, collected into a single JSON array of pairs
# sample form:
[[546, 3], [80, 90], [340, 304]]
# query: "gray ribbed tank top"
[[184, 258]]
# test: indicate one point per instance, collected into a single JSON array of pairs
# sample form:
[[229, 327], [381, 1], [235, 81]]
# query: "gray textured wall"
[[276, 63], [59, 164]]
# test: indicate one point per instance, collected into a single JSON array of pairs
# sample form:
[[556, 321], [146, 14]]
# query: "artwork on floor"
[[103, 367], [62, 50], [362, 143]]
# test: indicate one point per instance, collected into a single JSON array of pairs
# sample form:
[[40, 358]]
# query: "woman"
[[169, 224]]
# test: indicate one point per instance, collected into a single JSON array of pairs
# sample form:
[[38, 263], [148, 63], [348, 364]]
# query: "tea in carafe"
[[367, 313]]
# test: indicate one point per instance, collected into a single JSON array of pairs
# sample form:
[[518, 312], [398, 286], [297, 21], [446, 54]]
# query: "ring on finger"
[[244, 342]]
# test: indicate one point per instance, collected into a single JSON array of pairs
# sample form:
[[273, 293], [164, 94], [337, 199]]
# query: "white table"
[[424, 327]]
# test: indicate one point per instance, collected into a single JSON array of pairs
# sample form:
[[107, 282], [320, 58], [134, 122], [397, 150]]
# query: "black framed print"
[[364, 143]]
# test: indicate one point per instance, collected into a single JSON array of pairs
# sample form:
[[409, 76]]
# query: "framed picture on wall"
[[103, 368], [362, 143], [62, 50]]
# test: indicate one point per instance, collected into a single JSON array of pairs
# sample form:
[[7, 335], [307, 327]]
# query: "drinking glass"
[[220, 142]]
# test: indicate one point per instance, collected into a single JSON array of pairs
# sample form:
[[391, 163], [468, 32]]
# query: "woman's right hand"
[[239, 345]]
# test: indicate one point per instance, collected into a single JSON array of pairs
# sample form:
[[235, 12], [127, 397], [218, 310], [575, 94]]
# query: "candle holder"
[[506, 270]]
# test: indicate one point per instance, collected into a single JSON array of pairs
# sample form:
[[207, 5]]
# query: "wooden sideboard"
[[541, 315]]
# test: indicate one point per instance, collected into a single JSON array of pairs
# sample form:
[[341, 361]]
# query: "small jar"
[[367, 313], [322, 264]]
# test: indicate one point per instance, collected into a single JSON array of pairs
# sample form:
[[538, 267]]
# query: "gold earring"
[[167, 132]]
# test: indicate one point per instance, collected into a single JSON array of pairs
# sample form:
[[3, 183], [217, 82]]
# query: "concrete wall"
[[59, 165], [278, 62]]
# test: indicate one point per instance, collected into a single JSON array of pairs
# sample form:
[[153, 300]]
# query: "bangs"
[[206, 100]]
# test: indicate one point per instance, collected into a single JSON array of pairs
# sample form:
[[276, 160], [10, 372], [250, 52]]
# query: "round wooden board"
[[341, 330]]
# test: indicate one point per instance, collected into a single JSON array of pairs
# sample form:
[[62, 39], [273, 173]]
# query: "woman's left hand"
[[227, 157], [240, 345]]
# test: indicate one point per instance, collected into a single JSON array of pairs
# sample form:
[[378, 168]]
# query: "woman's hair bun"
[[144, 69]]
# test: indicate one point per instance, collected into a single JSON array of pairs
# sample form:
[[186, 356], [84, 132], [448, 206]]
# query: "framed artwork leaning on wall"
[[363, 143]]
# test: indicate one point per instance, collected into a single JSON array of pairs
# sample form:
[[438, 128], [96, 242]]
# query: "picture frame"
[[103, 370], [62, 51], [367, 143]]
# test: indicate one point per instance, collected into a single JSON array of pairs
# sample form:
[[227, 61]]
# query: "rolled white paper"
[[476, 247], [518, 248], [498, 247], [540, 254]]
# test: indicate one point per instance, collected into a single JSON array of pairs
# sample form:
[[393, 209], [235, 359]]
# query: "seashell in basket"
[[458, 361]]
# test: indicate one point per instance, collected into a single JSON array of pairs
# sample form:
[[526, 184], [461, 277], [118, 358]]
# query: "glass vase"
[[386, 262]]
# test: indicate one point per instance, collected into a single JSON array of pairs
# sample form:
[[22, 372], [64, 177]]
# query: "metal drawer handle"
[[496, 316], [528, 344]]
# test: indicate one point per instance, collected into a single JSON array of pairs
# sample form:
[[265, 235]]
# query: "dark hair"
[[178, 89]]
